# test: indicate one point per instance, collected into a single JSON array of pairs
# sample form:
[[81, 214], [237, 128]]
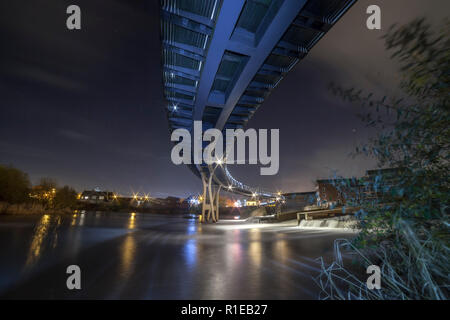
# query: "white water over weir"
[[344, 222]]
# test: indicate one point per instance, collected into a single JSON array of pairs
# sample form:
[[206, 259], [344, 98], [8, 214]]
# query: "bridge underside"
[[222, 59]]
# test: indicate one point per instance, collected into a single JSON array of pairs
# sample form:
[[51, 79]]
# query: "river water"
[[146, 256]]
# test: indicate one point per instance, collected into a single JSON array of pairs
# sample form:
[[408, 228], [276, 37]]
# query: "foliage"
[[18, 197], [411, 214], [47, 184], [14, 185], [45, 192], [412, 267], [65, 197]]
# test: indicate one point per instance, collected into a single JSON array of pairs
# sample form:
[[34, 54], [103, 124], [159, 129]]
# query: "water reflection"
[[255, 253], [44, 233], [190, 252], [236, 247], [132, 221], [82, 217], [190, 247], [74, 220], [145, 256], [127, 254], [281, 249], [254, 250], [233, 251]]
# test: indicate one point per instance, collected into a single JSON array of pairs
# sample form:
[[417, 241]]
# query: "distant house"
[[95, 196]]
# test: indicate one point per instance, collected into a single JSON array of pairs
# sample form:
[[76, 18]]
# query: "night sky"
[[87, 109]]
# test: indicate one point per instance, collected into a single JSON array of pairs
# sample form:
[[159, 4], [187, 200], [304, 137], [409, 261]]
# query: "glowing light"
[[194, 201], [230, 187], [236, 217]]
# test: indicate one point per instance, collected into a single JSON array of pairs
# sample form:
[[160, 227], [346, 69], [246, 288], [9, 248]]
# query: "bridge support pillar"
[[216, 198], [208, 210], [210, 203]]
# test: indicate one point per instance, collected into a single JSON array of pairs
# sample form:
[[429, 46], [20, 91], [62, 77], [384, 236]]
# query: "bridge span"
[[221, 60]]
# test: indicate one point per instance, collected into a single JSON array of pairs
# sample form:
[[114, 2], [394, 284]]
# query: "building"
[[382, 182], [375, 185], [337, 192], [252, 203], [94, 196]]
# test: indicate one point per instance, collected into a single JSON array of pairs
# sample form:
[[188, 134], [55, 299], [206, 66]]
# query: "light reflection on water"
[[127, 255], [254, 250], [165, 257], [132, 221], [190, 247], [74, 220], [281, 249], [45, 232], [190, 252]]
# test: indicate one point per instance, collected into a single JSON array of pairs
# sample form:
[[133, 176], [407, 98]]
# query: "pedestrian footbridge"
[[222, 59]]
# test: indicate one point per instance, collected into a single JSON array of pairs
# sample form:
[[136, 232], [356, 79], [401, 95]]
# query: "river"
[[146, 256]]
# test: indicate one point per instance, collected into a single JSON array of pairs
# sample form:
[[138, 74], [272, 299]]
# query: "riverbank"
[[30, 209]]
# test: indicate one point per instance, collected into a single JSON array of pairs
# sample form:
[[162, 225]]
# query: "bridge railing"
[[253, 191]]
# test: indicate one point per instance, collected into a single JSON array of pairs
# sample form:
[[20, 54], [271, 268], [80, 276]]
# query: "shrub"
[[14, 185], [406, 230], [65, 197]]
